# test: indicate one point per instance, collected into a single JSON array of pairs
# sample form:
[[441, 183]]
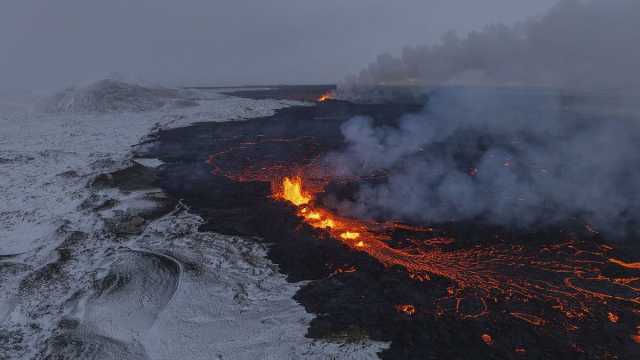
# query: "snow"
[[168, 292]]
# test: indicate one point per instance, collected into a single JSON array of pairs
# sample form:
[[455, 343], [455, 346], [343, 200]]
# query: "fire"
[[292, 191], [613, 317]]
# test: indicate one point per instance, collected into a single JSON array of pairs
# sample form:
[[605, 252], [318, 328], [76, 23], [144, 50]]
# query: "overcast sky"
[[46, 44]]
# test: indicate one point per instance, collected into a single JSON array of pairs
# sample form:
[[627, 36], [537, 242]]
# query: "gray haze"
[[509, 156], [578, 44], [51, 44], [513, 156]]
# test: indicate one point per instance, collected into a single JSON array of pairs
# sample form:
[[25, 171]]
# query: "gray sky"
[[47, 44]]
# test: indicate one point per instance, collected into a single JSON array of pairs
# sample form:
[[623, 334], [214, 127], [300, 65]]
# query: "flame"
[[292, 191], [613, 317]]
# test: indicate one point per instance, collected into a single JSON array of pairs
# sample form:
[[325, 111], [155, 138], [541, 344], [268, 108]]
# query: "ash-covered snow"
[[74, 286]]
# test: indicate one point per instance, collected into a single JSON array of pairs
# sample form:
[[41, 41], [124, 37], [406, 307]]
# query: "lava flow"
[[346, 229], [567, 277]]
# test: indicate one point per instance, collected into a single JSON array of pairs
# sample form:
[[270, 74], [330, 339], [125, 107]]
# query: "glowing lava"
[[348, 235], [557, 285], [613, 317], [326, 96], [635, 266], [487, 339], [292, 191], [406, 308], [567, 279]]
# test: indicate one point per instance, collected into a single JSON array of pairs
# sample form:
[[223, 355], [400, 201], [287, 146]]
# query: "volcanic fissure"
[[433, 290]]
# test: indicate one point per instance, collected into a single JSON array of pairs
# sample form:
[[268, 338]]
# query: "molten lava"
[[635, 266], [487, 339], [406, 308], [326, 96], [348, 235], [572, 285], [292, 191], [559, 285]]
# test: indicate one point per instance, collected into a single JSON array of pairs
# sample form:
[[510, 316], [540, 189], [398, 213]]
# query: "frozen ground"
[[73, 288]]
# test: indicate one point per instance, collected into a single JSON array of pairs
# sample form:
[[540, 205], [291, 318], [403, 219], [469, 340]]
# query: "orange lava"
[[531, 319], [348, 235], [406, 308], [565, 280], [566, 277], [326, 96], [613, 317], [292, 191], [635, 266]]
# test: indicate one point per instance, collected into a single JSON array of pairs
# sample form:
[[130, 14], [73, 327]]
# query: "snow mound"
[[108, 96]]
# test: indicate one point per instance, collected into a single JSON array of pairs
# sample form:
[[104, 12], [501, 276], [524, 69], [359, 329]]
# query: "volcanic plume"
[[512, 156]]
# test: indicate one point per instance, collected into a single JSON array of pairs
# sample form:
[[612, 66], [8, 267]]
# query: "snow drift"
[[107, 96]]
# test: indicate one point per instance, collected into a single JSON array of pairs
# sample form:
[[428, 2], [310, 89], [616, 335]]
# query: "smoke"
[[576, 45], [514, 157], [520, 155]]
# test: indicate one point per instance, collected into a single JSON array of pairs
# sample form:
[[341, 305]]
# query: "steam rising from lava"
[[509, 156], [516, 157]]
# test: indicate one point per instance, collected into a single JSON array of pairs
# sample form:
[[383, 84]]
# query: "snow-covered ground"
[[72, 288]]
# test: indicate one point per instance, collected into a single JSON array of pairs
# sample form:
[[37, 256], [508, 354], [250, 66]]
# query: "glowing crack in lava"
[[566, 277]]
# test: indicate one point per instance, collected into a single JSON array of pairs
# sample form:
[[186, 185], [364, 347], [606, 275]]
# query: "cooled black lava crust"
[[349, 304]]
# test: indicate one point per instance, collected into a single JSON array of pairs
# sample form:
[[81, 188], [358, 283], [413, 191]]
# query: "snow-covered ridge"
[[188, 295], [107, 96]]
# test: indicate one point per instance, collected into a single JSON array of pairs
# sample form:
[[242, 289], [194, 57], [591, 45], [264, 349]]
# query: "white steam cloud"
[[514, 157]]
